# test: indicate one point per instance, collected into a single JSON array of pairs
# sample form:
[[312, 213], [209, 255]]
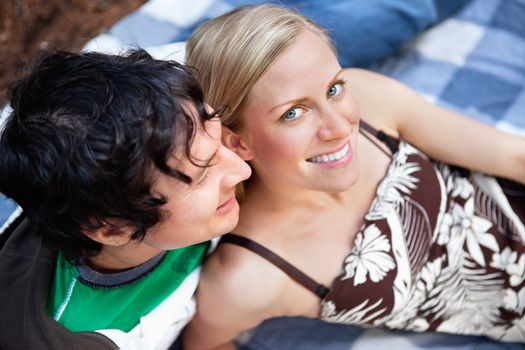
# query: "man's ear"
[[236, 143], [110, 235]]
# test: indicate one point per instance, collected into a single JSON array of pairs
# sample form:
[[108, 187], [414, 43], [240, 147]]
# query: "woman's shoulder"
[[240, 277], [235, 286], [370, 79], [383, 102]]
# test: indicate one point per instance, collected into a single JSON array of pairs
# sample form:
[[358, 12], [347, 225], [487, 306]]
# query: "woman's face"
[[301, 122]]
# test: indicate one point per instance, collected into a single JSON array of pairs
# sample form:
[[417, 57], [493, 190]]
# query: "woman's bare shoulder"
[[241, 277], [370, 78], [236, 292], [383, 101]]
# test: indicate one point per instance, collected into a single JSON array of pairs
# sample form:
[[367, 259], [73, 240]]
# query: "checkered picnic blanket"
[[473, 63], [357, 26]]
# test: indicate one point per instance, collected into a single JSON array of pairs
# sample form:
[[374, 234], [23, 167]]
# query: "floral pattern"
[[369, 257], [442, 259]]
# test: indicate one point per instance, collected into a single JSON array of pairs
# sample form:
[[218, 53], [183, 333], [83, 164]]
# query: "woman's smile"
[[336, 159]]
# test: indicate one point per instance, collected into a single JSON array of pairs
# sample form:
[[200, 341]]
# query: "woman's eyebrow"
[[289, 102], [301, 100], [335, 78]]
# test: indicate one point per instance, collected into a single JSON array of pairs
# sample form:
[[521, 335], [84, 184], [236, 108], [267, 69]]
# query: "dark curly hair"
[[86, 133]]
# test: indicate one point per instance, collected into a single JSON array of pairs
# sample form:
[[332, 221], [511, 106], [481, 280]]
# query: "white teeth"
[[326, 158]]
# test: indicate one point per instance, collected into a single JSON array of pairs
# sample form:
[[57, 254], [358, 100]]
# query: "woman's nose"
[[333, 124]]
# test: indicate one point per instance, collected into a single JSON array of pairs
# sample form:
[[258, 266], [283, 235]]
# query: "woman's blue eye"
[[335, 90], [293, 113]]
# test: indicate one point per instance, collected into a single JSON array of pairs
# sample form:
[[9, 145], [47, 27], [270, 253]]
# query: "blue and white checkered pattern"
[[160, 26], [473, 63], [357, 26]]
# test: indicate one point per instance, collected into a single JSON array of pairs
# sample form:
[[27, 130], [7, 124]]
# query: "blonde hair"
[[232, 51]]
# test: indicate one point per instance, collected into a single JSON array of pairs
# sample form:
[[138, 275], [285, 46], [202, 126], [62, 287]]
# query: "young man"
[[119, 169]]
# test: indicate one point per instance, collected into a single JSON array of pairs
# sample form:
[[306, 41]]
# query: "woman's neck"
[[274, 196]]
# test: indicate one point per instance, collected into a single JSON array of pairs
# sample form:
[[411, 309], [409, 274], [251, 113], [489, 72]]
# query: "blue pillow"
[[366, 31], [7, 207]]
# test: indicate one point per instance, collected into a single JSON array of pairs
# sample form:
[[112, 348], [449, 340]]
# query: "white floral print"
[[474, 229], [470, 271], [445, 229], [503, 260], [369, 257], [362, 313], [398, 182], [513, 300], [517, 271], [459, 187]]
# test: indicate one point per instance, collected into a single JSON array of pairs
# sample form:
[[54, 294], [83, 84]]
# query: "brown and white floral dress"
[[441, 249]]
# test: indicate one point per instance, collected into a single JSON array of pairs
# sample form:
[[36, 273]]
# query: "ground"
[[30, 27]]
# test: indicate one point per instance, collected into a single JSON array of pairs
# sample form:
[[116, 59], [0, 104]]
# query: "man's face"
[[207, 207]]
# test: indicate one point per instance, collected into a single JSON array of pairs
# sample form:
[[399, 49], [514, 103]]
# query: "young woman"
[[367, 205]]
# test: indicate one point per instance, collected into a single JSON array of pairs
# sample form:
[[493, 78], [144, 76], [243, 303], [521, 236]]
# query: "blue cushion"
[[7, 207], [366, 31]]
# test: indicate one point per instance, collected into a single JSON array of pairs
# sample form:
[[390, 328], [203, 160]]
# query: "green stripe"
[[80, 307]]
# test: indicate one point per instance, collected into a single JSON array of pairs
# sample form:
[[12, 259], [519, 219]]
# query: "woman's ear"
[[110, 235], [236, 143]]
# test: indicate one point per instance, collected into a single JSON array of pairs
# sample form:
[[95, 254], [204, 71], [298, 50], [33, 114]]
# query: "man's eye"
[[292, 114], [202, 180]]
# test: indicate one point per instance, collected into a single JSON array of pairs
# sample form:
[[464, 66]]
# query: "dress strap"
[[390, 142], [294, 273]]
